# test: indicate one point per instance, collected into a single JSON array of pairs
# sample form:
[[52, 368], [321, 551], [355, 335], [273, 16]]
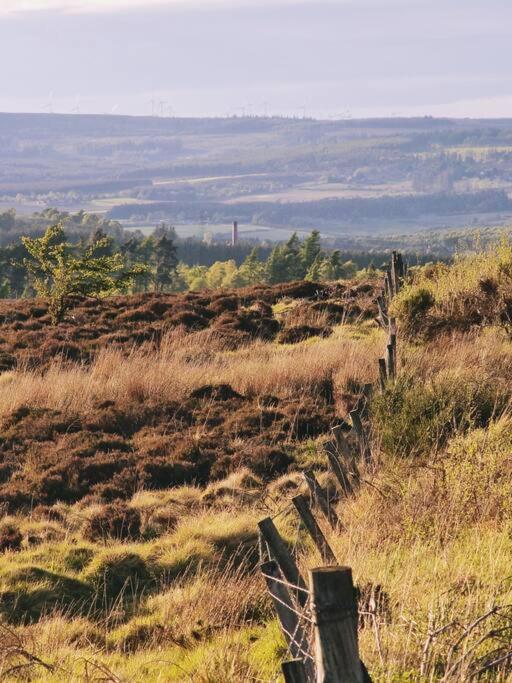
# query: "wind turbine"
[[152, 102], [49, 105], [162, 104], [76, 108]]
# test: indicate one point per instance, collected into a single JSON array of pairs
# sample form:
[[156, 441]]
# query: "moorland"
[[144, 436]]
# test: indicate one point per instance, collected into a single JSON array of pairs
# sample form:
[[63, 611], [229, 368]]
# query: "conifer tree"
[[310, 250]]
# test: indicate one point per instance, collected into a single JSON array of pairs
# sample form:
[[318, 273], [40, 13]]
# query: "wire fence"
[[294, 602]]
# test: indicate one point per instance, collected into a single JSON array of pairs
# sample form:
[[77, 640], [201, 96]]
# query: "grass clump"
[[118, 575], [116, 521], [29, 593]]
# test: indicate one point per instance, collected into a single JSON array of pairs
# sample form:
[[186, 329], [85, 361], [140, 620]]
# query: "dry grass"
[[183, 364]]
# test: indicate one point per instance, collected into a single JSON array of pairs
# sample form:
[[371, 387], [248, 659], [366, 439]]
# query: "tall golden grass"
[[184, 363]]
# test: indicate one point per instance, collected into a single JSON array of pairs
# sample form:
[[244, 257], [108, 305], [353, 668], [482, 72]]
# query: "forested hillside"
[[346, 178]]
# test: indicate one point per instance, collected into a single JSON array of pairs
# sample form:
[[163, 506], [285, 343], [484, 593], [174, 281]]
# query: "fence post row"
[[333, 608]]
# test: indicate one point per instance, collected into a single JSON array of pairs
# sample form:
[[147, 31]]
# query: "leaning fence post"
[[341, 442], [335, 616], [282, 555], [286, 613], [338, 467], [315, 532], [322, 500], [294, 671]]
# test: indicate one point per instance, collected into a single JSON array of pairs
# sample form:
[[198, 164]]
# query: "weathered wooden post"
[[315, 532], [263, 551], [319, 495], [294, 671], [390, 361], [383, 317], [282, 555], [366, 453], [335, 616], [286, 612], [383, 374], [394, 273], [338, 468], [341, 442], [389, 285]]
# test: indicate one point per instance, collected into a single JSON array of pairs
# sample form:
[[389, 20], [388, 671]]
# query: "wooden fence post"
[[341, 442], [394, 273], [366, 453], [263, 548], [282, 555], [383, 374], [338, 468], [315, 532], [383, 317], [390, 362], [335, 616], [286, 612], [322, 500], [389, 285], [294, 671]]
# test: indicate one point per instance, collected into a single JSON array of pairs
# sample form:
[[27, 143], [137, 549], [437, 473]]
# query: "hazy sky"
[[203, 57]]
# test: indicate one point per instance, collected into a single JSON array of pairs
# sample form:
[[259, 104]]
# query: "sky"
[[322, 58]]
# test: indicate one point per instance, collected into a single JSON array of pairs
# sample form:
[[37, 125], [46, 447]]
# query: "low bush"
[[474, 290], [415, 417]]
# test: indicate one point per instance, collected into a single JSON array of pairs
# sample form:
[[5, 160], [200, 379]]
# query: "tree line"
[[102, 265]]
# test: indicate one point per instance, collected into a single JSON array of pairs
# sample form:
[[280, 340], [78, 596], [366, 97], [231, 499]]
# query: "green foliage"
[[476, 289], [59, 272], [411, 307], [415, 418]]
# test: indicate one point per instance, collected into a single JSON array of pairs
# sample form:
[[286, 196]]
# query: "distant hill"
[[340, 176]]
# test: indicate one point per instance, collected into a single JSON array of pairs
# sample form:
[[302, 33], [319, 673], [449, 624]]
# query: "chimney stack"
[[234, 234]]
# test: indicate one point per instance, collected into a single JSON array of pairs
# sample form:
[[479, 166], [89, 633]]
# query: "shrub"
[[411, 307], [414, 417], [116, 521], [475, 289]]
